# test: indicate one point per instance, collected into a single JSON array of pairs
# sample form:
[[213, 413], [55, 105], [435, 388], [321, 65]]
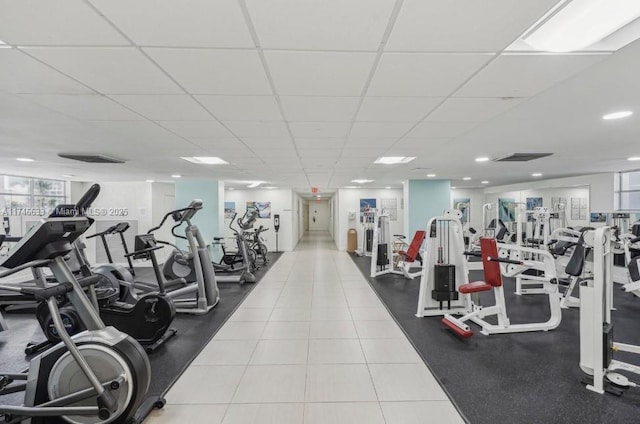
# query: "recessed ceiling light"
[[536, 174], [176, 176], [467, 178], [24, 159], [388, 188], [206, 160], [394, 160], [634, 158], [431, 175], [271, 188], [255, 184], [581, 23], [617, 115], [68, 175], [351, 187], [485, 182], [453, 188], [231, 189], [151, 181], [3, 45], [482, 159], [361, 181]]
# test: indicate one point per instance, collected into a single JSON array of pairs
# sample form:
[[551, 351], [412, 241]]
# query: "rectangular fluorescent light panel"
[[361, 181], [393, 160], [255, 184], [206, 160], [581, 23]]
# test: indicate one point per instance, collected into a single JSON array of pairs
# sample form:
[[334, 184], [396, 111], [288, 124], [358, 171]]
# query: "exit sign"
[[314, 190]]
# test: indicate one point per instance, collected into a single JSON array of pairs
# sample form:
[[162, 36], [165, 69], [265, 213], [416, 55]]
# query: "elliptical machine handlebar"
[[180, 215]]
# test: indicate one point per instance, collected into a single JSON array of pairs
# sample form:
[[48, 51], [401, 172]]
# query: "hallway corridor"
[[311, 344]]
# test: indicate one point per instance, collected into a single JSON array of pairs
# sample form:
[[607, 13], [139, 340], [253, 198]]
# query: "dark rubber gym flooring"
[[515, 378], [167, 363]]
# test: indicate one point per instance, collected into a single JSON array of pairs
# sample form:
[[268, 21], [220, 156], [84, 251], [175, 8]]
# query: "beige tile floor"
[[312, 344]]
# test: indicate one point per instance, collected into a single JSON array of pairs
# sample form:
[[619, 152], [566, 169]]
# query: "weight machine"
[[383, 256]]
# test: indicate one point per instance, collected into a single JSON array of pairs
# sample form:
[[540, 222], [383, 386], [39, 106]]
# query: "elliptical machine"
[[147, 319], [244, 255], [98, 376]]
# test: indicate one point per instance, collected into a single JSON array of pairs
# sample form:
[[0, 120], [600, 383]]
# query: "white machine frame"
[[382, 235], [595, 314]]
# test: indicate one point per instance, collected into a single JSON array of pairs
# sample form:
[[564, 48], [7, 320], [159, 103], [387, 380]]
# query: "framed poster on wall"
[[463, 204], [390, 206], [366, 205], [507, 208], [263, 208], [229, 210]]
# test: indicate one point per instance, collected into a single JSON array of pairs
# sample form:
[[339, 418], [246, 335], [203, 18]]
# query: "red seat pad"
[[414, 248], [459, 331], [476, 286]]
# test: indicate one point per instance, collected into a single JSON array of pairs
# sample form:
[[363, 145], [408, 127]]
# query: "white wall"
[[319, 215], [281, 203], [349, 200], [298, 225]]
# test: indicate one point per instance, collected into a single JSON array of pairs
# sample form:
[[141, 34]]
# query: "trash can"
[[352, 240]]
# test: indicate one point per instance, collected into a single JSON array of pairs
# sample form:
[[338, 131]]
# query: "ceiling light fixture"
[[394, 160], [467, 178], [271, 188], [431, 175], [176, 176], [351, 187], [151, 181], [633, 158], [581, 23], [230, 188], [361, 181], [453, 188], [206, 160], [68, 175], [24, 160], [255, 184], [482, 159], [485, 182], [536, 174], [617, 115]]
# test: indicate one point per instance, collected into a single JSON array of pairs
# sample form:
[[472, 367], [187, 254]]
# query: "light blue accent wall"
[[209, 219], [425, 199]]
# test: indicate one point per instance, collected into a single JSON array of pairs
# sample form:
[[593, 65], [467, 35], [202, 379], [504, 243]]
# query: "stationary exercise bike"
[[98, 376], [147, 318]]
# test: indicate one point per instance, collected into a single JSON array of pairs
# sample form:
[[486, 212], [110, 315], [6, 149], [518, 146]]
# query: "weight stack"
[[383, 258], [444, 283], [368, 236]]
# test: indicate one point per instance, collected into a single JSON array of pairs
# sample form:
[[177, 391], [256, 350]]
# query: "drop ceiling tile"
[[396, 109], [258, 129], [276, 154], [319, 153], [366, 143], [320, 25], [475, 109], [525, 75], [169, 107], [20, 73], [262, 143], [463, 25], [319, 143], [371, 153], [319, 73], [117, 70], [380, 129], [427, 75], [136, 130], [219, 143], [441, 129], [420, 143], [198, 23], [70, 22], [197, 129], [242, 108], [319, 129], [331, 109], [202, 71], [85, 107]]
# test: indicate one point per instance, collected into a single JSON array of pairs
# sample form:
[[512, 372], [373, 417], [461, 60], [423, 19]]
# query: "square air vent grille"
[[521, 157], [90, 158]]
